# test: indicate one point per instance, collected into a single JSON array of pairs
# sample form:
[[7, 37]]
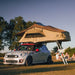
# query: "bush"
[[70, 51], [53, 53], [2, 54]]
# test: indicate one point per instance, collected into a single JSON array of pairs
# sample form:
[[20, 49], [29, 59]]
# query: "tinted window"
[[26, 48], [33, 35]]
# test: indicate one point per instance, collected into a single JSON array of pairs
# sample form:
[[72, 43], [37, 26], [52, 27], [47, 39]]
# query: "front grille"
[[11, 61], [12, 56]]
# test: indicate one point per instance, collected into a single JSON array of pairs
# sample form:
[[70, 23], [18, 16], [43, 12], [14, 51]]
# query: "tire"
[[49, 60], [28, 61]]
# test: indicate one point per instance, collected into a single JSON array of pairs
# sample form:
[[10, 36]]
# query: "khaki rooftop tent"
[[40, 33]]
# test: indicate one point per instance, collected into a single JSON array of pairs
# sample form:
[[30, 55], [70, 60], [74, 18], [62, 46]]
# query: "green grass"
[[58, 68]]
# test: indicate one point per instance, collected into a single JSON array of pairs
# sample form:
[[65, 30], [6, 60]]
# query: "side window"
[[32, 48], [43, 48]]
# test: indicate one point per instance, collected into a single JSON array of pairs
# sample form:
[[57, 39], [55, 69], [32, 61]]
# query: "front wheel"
[[28, 61], [49, 60]]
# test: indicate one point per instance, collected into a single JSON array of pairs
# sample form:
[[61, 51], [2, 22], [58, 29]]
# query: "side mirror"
[[37, 50]]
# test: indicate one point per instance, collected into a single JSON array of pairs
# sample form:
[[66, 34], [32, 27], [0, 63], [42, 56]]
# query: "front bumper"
[[16, 61]]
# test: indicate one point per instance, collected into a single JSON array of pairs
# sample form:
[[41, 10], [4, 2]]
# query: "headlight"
[[16, 56], [6, 56]]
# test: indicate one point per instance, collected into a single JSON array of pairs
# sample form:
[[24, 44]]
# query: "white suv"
[[27, 54]]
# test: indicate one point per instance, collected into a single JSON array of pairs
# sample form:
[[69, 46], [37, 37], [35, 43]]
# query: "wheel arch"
[[27, 58], [49, 57]]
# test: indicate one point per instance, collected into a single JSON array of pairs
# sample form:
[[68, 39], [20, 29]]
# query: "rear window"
[[25, 48]]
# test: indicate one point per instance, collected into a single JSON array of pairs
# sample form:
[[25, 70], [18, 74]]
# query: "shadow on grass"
[[36, 70], [1, 60], [61, 62], [32, 70], [28, 70]]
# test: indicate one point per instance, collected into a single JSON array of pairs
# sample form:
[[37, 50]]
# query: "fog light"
[[21, 60]]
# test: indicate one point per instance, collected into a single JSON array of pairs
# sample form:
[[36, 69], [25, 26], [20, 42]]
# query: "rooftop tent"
[[40, 33]]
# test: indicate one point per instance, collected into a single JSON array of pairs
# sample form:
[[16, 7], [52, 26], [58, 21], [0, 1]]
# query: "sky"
[[56, 13]]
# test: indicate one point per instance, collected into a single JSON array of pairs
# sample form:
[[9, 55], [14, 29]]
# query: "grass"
[[58, 68]]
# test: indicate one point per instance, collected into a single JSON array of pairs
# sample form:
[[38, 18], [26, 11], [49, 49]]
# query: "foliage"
[[55, 49], [3, 24], [53, 53], [8, 31], [70, 51]]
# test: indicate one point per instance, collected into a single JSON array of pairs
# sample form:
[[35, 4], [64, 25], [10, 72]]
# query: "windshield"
[[25, 48]]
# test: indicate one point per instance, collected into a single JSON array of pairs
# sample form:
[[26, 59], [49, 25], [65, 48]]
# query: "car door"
[[44, 53], [36, 57]]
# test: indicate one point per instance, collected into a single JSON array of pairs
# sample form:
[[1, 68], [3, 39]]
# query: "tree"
[[29, 23], [8, 31], [3, 24], [70, 51], [19, 25], [55, 49]]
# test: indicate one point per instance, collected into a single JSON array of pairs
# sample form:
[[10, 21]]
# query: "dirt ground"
[[58, 68]]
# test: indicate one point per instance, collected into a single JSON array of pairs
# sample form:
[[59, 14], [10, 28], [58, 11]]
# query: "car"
[[27, 54]]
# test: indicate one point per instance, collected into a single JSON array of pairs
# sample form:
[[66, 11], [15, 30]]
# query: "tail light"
[[37, 50]]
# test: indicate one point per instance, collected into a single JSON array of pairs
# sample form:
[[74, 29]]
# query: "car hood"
[[18, 52]]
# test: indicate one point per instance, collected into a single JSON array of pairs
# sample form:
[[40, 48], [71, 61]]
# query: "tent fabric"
[[50, 28], [38, 33]]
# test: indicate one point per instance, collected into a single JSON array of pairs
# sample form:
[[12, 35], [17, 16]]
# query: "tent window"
[[34, 35]]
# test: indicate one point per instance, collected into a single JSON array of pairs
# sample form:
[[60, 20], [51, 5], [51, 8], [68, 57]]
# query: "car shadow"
[[1, 61], [10, 69], [35, 70], [61, 62]]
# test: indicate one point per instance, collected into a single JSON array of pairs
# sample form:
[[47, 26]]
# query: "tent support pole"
[[59, 43]]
